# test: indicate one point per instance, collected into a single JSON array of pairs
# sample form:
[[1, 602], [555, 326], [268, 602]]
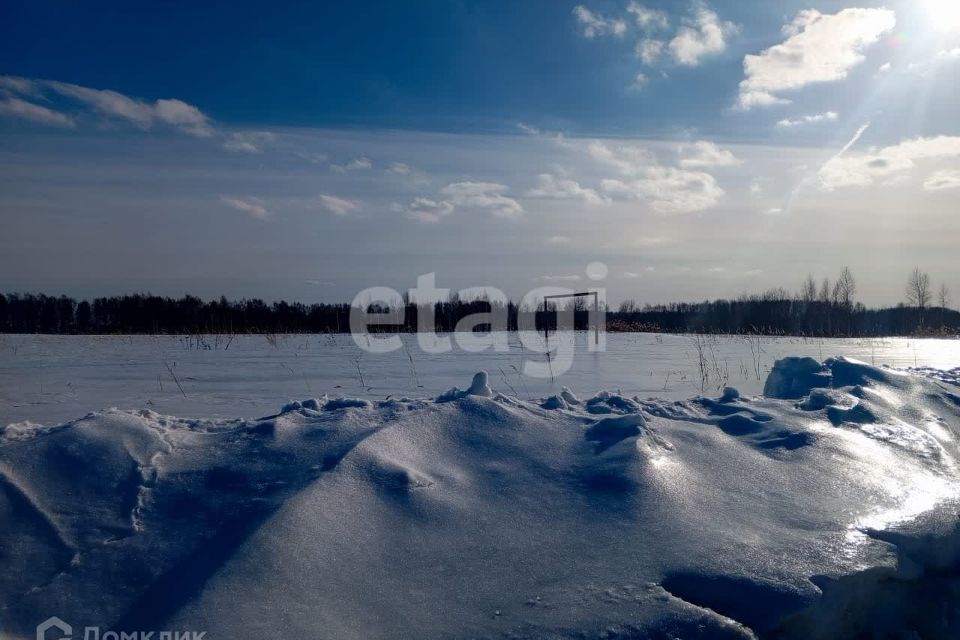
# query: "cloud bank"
[[865, 169], [819, 48], [104, 102]]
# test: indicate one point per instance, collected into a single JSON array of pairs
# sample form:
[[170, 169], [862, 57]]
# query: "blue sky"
[[307, 151], [452, 65]]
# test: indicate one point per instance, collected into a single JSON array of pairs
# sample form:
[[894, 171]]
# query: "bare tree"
[[824, 295], [777, 293], [943, 296], [628, 306], [918, 289], [845, 289], [808, 291]]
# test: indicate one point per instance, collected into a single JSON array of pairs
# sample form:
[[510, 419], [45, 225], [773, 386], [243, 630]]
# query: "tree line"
[[816, 309]]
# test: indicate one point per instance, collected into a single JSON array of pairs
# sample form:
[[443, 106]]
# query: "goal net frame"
[[580, 294]]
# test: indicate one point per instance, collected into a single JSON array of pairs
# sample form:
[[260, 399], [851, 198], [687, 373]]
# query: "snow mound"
[[730, 395], [606, 402], [827, 511], [949, 376], [795, 378], [609, 431], [569, 397], [478, 387], [554, 403]]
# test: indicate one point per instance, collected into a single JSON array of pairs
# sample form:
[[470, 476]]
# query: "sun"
[[945, 14]]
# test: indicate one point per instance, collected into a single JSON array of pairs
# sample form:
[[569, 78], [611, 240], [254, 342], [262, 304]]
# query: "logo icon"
[[66, 631]]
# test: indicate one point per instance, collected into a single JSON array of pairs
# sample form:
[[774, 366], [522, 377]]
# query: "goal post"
[[581, 294]]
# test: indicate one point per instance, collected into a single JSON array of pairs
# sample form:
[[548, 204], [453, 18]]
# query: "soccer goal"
[[582, 294]]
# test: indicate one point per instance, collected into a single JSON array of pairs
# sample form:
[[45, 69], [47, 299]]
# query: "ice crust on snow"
[[825, 510]]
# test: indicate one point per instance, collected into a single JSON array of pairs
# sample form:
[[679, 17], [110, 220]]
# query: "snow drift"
[[826, 509]]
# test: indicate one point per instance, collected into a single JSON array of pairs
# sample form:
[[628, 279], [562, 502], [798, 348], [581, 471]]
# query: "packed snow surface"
[[52, 379], [826, 508]]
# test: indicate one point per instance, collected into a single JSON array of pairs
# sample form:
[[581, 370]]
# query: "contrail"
[[852, 142], [796, 191]]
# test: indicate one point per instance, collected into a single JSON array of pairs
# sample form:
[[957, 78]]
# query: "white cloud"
[[426, 210], [701, 35], [338, 206], [945, 55], [312, 157], [628, 160], [705, 154], [109, 103], [929, 65], [895, 180], [183, 116], [649, 50], [951, 55], [23, 86], [400, 169], [482, 195], [248, 141], [819, 48], [639, 82], [595, 25], [570, 278], [642, 176], [828, 116], [648, 19], [667, 189], [553, 188], [529, 130], [670, 190], [253, 206], [357, 164], [863, 169], [558, 240], [17, 108], [485, 196], [144, 115], [752, 99], [942, 180], [646, 242]]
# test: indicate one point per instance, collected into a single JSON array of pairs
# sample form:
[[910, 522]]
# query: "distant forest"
[[816, 310]]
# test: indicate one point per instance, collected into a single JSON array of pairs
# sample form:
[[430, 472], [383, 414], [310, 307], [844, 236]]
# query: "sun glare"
[[945, 14]]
